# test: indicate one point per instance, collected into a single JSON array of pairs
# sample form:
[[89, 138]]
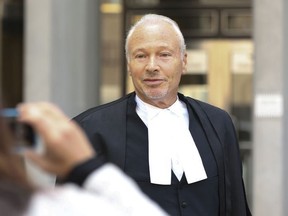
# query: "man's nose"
[[152, 64]]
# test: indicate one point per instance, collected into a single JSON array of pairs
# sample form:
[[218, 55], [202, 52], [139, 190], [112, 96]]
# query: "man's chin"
[[156, 95]]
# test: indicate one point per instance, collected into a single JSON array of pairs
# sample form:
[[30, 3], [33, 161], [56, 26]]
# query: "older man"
[[183, 153]]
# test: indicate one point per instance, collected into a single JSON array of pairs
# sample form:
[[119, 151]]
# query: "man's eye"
[[140, 56], [165, 54]]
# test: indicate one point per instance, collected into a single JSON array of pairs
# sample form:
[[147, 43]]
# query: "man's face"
[[155, 63]]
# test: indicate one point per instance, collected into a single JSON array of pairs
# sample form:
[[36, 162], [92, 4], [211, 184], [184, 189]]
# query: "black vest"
[[180, 198]]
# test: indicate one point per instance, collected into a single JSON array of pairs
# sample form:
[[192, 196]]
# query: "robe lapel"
[[215, 145], [115, 132]]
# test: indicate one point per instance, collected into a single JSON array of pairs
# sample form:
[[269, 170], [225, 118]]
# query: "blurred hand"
[[65, 143]]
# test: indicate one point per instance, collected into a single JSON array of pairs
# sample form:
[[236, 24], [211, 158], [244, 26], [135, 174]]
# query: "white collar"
[[144, 109]]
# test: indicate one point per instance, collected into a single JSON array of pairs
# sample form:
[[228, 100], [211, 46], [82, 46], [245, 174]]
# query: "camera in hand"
[[23, 134]]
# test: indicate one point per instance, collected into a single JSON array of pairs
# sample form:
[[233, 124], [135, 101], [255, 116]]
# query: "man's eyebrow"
[[137, 50]]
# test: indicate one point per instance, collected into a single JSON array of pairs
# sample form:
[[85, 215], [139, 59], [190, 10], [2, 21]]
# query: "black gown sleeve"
[[80, 172]]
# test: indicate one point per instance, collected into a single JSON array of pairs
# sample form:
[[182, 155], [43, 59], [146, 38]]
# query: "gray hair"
[[155, 18]]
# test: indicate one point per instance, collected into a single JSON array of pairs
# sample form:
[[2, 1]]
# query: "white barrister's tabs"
[[268, 105]]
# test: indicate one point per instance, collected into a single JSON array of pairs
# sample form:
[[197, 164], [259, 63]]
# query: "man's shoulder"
[[204, 106], [208, 111], [219, 118], [110, 108]]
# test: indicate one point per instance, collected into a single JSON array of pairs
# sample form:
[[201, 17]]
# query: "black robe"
[[106, 125]]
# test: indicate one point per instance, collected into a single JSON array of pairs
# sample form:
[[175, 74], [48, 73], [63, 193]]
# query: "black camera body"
[[23, 134]]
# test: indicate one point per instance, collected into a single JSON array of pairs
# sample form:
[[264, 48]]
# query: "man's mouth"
[[153, 81]]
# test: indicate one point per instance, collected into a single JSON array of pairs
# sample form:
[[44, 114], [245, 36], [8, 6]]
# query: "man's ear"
[[184, 63]]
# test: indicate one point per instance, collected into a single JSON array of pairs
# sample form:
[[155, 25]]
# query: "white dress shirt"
[[171, 145]]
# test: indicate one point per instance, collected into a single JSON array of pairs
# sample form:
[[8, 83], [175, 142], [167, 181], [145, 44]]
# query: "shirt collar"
[[178, 108]]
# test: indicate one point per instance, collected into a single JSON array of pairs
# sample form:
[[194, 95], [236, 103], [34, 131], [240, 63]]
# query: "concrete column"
[[285, 105], [61, 58], [61, 53], [270, 108]]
